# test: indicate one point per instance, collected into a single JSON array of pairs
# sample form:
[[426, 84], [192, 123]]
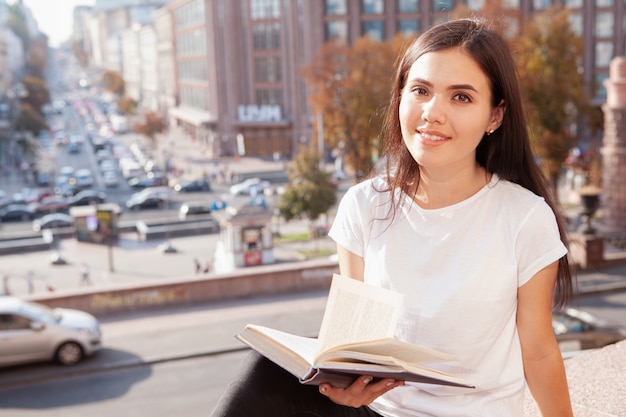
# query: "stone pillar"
[[614, 149]]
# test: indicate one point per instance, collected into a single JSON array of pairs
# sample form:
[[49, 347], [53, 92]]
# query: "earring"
[[490, 132]]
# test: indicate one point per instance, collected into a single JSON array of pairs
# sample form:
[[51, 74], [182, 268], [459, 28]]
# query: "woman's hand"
[[362, 391]]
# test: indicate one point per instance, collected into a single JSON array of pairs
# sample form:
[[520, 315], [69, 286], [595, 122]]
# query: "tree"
[[349, 89], [37, 93], [113, 82], [549, 53], [310, 192], [151, 124]]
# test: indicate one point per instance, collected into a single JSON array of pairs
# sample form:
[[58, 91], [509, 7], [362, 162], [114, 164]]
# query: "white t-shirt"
[[460, 268]]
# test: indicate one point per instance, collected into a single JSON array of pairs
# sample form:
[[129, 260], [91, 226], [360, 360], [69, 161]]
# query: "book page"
[[356, 311]]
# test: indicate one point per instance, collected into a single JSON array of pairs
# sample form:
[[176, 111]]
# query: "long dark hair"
[[507, 152]]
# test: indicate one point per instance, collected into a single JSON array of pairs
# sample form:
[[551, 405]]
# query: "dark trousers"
[[263, 389]]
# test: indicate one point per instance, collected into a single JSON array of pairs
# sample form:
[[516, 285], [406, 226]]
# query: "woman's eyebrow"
[[451, 87]]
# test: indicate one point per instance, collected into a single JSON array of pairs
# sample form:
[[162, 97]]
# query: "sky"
[[54, 17]]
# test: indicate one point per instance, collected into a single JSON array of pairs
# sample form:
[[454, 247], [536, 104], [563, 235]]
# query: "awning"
[[192, 116]]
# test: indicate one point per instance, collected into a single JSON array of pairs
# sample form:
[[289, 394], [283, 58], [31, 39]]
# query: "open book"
[[356, 338]]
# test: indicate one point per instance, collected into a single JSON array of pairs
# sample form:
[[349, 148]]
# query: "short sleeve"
[[538, 242], [347, 227]]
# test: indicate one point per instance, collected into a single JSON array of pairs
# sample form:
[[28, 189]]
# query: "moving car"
[[152, 197], [194, 208], [192, 186], [250, 186], [580, 330], [53, 221], [51, 204], [32, 332]]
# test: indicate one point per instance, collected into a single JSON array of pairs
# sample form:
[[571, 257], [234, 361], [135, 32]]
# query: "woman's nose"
[[432, 111]]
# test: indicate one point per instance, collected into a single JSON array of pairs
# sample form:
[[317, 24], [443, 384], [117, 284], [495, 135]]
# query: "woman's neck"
[[438, 190]]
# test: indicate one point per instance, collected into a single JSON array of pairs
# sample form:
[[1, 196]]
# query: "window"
[[601, 90], [573, 4], [337, 29], [604, 53], [269, 96], [372, 6], [408, 26], [266, 37], [604, 3], [375, 29], [442, 5], [576, 22], [475, 5], [541, 4], [604, 24], [408, 6], [336, 7], [13, 322], [264, 9], [267, 69]]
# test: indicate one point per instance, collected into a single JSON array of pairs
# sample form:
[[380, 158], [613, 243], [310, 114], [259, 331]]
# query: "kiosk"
[[245, 237]]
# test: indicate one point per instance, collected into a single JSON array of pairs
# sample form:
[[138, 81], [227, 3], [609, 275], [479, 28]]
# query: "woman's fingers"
[[362, 392]]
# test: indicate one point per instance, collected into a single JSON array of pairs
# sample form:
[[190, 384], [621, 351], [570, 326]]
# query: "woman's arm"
[[350, 265], [543, 364]]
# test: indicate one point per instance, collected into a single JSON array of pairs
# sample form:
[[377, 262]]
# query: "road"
[[173, 380]]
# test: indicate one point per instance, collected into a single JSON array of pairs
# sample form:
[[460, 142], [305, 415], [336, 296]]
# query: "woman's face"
[[445, 109]]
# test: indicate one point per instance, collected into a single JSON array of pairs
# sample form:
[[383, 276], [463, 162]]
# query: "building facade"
[[229, 72]]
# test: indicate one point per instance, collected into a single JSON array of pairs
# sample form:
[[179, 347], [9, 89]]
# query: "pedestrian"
[[85, 278], [461, 220], [197, 265], [5, 285], [207, 267], [30, 278]]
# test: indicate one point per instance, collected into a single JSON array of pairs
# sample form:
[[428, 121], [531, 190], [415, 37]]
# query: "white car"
[[84, 178], [250, 186], [32, 332]]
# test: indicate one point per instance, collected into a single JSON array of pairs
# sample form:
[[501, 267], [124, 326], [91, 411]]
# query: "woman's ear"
[[496, 116]]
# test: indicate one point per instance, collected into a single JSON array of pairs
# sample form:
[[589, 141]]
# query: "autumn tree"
[[349, 89], [549, 55], [113, 82], [37, 93], [151, 124], [310, 192]]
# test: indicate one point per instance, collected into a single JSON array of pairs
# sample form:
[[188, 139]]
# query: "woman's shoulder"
[[513, 194]]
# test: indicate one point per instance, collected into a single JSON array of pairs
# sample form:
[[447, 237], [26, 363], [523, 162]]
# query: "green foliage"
[[310, 192]]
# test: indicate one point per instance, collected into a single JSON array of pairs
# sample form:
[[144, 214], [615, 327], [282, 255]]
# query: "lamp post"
[[590, 200]]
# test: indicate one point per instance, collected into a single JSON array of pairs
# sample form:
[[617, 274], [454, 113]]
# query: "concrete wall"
[[262, 280]]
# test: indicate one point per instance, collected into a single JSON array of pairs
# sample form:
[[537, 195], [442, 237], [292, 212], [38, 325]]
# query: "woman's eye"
[[464, 98], [420, 91]]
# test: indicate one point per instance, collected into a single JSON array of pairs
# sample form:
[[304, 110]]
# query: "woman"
[[461, 221]]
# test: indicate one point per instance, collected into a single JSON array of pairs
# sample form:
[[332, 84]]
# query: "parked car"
[[192, 186], [32, 332], [53, 221], [51, 204], [250, 186], [579, 330], [16, 212], [86, 198]]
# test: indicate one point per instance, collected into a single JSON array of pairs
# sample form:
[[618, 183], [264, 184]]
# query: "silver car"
[[32, 332]]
